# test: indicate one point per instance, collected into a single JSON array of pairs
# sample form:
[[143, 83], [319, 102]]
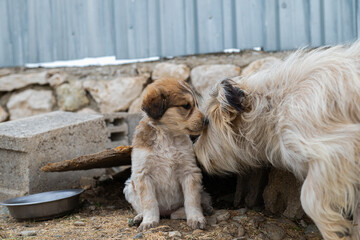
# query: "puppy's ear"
[[154, 103], [235, 96]]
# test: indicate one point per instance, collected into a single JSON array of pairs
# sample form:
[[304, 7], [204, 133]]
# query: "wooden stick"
[[114, 157]]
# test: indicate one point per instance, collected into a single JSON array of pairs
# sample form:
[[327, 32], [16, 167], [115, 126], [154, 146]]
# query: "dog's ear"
[[235, 96], [154, 103]]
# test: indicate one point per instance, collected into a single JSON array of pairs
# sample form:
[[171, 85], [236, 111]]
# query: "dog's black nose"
[[205, 121]]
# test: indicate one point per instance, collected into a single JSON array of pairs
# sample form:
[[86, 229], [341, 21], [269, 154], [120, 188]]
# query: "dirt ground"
[[105, 214]]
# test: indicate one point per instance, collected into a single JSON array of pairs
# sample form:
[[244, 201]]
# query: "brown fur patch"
[[147, 137]]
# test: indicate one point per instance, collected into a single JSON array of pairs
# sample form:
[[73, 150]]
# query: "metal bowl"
[[42, 206]]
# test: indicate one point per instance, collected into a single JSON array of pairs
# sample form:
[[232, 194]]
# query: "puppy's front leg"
[[149, 204], [191, 186]]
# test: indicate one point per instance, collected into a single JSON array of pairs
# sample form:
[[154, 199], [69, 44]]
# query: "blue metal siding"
[[34, 31]]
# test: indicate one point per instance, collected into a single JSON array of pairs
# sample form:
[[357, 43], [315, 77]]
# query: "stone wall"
[[27, 92]]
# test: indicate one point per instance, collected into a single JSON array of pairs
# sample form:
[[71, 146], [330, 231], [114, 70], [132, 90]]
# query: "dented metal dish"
[[45, 205]]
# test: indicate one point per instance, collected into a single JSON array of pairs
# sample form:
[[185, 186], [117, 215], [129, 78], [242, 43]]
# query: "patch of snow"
[[232, 50], [99, 61]]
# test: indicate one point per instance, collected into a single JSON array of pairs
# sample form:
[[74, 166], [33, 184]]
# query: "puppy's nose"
[[205, 121]]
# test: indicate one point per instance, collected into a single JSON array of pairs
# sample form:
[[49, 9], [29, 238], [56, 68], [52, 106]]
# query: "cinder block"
[[132, 120], [117, 129], [28, 144]]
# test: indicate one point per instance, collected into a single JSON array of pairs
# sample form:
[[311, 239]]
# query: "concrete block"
[[117, 129], [132, 120], [28, 144]]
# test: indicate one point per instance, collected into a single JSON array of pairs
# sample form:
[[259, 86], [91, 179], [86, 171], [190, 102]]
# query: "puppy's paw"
[[197, 222], [208, 210], [138, 218], [146, 225]]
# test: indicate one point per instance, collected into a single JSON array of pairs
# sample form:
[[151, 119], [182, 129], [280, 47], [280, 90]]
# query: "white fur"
[[305, 117]]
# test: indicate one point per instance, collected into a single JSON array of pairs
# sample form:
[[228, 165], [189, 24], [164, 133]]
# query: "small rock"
[[197, 231], [179, 71], [212, 220], [138, 236], [92, 208], [174, 234], [222, 223], [236, 224], [254, 223], [16, 81], [222, 215], [274, 232], [204, 77], [240, 218], [4, 210], [161, 228], [30, 102], [261, 236], [56, 77], [311, 229], [117, 94], [242, 211], [28, 233], [241, 231], [3, 114], [71, 97], [79, 223], [303, 223]]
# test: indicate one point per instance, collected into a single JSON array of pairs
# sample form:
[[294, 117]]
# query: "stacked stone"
[[104, 90]]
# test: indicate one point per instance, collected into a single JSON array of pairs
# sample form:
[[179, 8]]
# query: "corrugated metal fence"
[[33, 31]]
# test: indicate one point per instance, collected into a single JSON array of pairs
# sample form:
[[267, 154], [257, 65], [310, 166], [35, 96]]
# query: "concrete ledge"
[[28, 144]]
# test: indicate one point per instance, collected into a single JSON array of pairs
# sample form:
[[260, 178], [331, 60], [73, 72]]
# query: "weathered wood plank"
[[118, 156]]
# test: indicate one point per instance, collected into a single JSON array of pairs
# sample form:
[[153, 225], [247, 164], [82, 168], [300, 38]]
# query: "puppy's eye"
[[186, 106]]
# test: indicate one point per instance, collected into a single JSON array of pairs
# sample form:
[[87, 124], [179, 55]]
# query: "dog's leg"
[[178, 214], [206, 203], [131, 196], [149, 204], [318, 203], [191, 185]]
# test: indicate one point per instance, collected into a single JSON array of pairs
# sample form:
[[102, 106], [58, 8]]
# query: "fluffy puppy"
[[165, 179], [303, 115]]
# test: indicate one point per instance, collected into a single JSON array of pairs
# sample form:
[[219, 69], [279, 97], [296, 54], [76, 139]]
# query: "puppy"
[[165, 179], [303, 115]]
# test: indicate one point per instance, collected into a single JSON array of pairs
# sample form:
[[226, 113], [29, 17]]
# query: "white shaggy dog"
[[303, 115], [165, 179]]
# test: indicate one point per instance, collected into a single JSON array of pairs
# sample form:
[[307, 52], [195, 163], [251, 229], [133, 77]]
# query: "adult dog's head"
[[223, 143], [171, 103]]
